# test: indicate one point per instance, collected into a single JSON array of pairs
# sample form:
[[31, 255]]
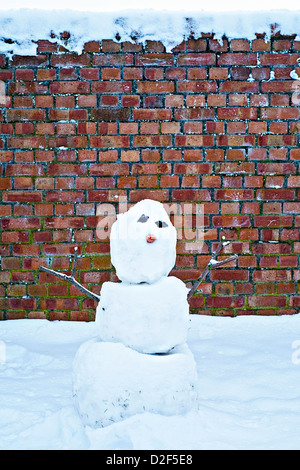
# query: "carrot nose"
[[150, 238]]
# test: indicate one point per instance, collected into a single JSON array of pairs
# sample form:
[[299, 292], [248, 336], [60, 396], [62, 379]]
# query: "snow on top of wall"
[[21, 28]]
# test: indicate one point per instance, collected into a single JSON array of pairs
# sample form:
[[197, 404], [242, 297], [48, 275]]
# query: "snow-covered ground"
[[249, 389]]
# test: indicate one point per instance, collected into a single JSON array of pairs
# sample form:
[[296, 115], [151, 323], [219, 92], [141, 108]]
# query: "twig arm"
[[211, 265], [72, 279]]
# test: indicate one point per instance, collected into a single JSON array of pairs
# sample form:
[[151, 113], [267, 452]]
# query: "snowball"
[[151, 318], [112, 382], [136, 259]]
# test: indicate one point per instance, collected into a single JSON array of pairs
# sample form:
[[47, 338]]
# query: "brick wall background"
[[212, 123]]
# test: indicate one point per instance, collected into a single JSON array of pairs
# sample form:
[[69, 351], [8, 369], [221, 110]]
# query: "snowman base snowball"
[[112, 382]]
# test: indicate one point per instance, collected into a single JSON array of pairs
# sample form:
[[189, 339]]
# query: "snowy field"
[[249, 389]]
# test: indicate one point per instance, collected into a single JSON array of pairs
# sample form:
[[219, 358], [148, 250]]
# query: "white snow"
[[171, 5], [150, 318], [294, 75], [24, 26], [248, 386], [113, 382]]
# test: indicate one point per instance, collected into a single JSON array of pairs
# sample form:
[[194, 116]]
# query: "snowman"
[[139, 360]]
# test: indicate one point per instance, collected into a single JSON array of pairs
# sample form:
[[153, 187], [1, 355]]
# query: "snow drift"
[[20, 29]]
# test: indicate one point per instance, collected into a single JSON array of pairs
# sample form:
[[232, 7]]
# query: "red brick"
[[237, 113], [70, 59], [25, 115], [229, 275], [239, 86], [154, 59], [196, 59], [280, 113], [155, 87], [29, 87], [176, 73], [109, 169], [169, 181], [150, 115], [66, 169], [152, 141], [234, 194], [275, 194], [21, 223], [65, 196], [109, 141], [193, 127], [109, 86], [225, 302], [279, 59], [240, 45], [267, 301], [195, 86], [194, 140], [236, 140], [131, 101], [237, 59], [231, 221], [87, 100], [71, 86], [261, 45], [215, 45], [276, 168], [89, 73], [113, 59], [211, 181], [295, 154], [24, 74], [110, 114], [192, 168], [273, 221], [276, 86], [6, 129], [130, 155], [194, 113], [156, 194], [191, 195]]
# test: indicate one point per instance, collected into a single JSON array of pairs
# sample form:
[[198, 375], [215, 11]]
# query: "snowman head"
[[143, 243]]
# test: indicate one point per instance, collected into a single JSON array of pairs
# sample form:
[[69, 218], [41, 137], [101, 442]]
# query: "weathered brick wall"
[[207, 123]]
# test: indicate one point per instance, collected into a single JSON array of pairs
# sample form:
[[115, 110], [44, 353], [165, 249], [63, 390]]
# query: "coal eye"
[[143, 218], [161, 224]]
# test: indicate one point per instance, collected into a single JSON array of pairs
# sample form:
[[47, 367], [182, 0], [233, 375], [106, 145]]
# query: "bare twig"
[[211, 265], [72, 279]]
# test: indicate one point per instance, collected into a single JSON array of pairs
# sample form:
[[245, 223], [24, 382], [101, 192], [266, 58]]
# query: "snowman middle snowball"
[[147, 311]]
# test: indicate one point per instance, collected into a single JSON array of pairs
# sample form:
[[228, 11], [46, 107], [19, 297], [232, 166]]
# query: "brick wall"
[[211, 123]]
